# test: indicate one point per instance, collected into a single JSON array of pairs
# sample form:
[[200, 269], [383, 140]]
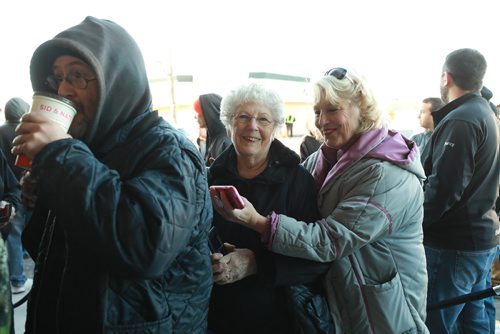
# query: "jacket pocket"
[[387, 308], [160, 326]]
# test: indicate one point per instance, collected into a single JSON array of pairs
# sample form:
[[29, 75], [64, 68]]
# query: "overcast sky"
[[399, 46]]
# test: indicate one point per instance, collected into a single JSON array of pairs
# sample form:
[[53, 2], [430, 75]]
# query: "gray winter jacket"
[[371, 204]]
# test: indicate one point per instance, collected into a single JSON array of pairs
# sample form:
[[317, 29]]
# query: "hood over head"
[[15, 108], [210, 107], [123, 85]]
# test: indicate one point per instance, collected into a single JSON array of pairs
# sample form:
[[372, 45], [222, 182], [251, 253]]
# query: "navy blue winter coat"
[[119, 230]]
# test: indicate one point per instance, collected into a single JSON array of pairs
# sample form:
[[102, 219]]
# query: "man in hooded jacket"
[[121, 205], [207, 107], [15, 108]]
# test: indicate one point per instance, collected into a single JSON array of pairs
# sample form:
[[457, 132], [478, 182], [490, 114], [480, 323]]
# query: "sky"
[[397, 46]]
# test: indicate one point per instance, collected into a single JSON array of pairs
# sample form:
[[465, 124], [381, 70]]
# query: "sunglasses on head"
[[338, 73]]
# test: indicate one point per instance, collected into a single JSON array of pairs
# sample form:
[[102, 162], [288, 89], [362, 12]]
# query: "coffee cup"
[[57, 108]]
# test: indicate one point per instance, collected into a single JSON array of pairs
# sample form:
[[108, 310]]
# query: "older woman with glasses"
[[252, 284], [370, 201]]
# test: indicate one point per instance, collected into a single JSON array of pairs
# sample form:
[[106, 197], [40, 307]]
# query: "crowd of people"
[[359, 234]]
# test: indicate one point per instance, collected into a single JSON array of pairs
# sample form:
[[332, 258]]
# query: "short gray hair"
[[252, 93]]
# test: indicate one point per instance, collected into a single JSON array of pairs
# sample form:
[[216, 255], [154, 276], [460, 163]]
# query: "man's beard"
[[77, 130], [444, 94]]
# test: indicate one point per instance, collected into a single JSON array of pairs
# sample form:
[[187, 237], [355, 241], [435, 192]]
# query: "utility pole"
[[172, 89]]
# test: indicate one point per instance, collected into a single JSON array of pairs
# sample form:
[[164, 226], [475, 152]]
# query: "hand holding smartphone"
[[230, 192]]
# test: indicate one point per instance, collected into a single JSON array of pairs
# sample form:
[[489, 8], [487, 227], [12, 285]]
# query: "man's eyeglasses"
[[339, 73], [75, 79], [245, 119]]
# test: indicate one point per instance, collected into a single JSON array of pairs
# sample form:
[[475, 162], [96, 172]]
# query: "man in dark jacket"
[[429, 105], [462, 166], [207, 107], [15, 108], [122, 210]]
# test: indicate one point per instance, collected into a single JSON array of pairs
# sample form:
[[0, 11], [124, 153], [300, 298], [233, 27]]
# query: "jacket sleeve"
[[11, 188], [359, 218], [454, 144], [285, 270], [134, 227]]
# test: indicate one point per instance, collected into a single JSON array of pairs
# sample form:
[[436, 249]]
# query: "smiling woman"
[[250, 279]]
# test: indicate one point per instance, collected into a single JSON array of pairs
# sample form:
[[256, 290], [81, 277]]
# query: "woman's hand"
[[238, 264], [247, 216]]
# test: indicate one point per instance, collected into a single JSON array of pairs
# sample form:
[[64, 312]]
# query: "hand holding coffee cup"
[[48, 120]]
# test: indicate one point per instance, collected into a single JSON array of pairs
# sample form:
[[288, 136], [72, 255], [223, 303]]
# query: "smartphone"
[[231, 193], [215, 243]]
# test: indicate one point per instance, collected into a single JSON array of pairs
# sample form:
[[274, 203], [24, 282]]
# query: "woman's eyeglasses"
[[245, 119], [338, 73]]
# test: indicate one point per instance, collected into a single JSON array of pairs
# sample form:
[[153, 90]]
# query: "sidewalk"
[[20, 312]]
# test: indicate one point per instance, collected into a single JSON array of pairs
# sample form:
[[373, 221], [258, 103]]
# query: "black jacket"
[[308, 146], [462, 164], [9, 191], [217, 139], [119, 231], [15, 108], [256, 304]]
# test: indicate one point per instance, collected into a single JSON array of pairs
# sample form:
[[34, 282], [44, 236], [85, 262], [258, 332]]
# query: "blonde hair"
[[350, 90]]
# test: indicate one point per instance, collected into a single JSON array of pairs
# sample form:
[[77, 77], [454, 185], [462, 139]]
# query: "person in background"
[[488, 94], [121, 204], [489, 302], [9, 197], [6, 316], [370, 203], [289, 120], [429, 105], [251, 294], [310, 143], [462, 165], [15, 108], [207, 108]]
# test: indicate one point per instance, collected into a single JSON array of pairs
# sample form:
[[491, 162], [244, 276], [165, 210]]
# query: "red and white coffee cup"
[[57, 108]]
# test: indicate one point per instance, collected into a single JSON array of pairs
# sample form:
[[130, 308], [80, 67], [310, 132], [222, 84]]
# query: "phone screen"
[[231, 193]]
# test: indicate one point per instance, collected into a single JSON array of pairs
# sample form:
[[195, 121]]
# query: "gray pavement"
[[20, 312]]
